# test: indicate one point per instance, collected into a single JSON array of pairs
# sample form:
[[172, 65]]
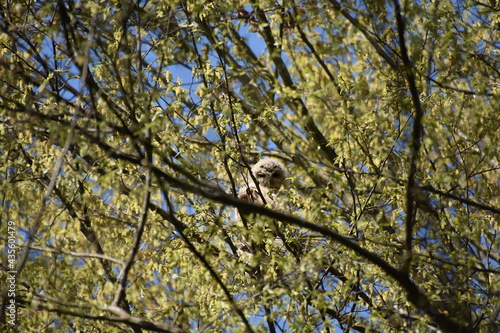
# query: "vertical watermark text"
[[11, 309]]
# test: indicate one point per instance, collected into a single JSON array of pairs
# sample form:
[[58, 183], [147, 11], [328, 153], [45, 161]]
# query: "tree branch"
[[119, 316], [414, 294], [298, 104], [366, 33], [416, 137], [205, 263], [78, 254]]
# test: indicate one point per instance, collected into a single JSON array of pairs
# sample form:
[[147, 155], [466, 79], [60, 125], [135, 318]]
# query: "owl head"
[[270, 173]]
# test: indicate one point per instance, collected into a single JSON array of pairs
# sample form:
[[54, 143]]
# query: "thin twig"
[[77, 254]]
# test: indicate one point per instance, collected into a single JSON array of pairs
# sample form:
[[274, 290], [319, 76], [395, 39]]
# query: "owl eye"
[[275, 174], [261, 175]]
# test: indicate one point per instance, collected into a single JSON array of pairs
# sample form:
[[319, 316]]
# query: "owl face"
[[270, 173]]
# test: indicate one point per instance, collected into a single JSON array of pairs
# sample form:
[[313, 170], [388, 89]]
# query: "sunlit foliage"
[[127, 129]]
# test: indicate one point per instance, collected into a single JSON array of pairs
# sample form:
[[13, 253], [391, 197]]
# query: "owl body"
[[252, 194]]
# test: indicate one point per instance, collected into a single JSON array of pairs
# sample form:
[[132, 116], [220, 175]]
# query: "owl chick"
[[271, 176]]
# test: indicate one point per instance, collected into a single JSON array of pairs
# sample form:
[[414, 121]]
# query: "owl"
[[271, 176], [264, 188]]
